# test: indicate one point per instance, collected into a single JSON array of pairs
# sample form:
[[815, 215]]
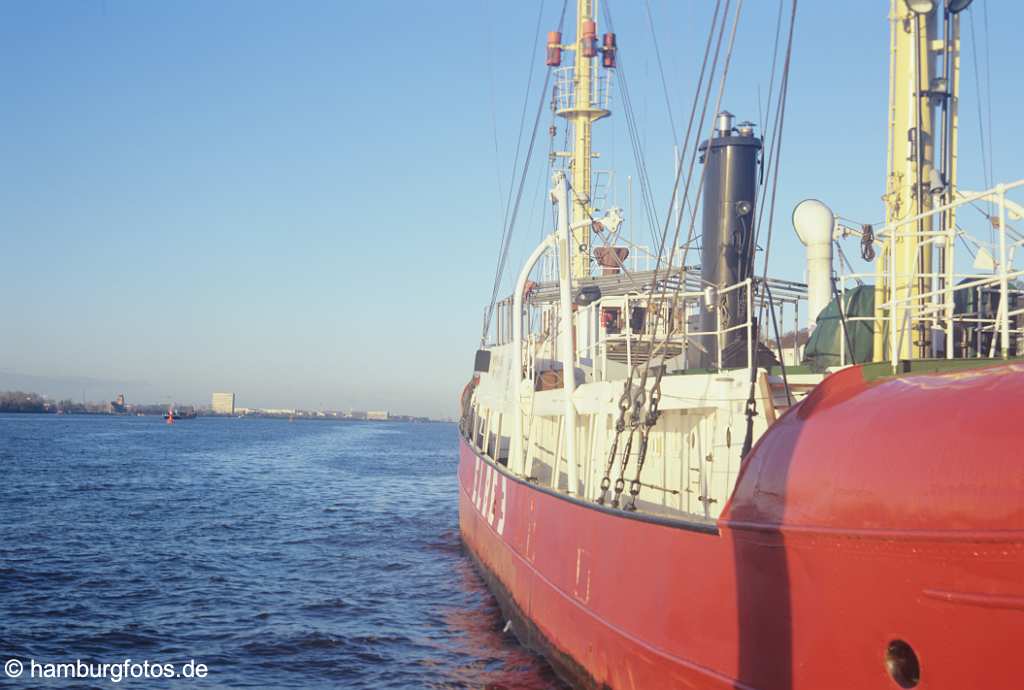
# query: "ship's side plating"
[[818, 573], [873, 537]]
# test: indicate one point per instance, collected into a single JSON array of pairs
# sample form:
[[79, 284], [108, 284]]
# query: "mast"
[[581, 98], [924, 66]]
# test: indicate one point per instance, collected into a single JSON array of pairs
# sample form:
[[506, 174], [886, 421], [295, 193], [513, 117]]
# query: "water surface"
[[280, 555]]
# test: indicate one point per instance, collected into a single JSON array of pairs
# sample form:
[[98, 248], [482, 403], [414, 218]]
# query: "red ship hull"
[[873, 518]]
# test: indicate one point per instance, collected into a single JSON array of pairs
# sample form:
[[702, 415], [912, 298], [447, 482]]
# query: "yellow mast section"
[[579, 105], [582, 153], [906, 266]]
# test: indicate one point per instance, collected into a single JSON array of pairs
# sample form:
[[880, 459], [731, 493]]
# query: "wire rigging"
[[502, 206], [507, 234], [526, 100], [643, 410], [985, 153], [646, 194], [661, 70]]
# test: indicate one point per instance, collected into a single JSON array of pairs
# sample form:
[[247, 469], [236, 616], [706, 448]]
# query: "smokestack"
[[727, 249]]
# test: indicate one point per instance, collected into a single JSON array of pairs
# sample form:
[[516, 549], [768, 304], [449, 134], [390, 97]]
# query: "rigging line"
[[502, 207], [506, 229], [646, 193], [845, 261], [773, 164], [771, 78], [765, 125], [988, 92], [655, 392], [700, 83], [656, 349], [578, 199], [777, 142], [526, 101], [631, 126], [661, 70], [664, 83], [981, 121], [769, 163], [689, 130], [842, 319], [693, 159], [506, 240]]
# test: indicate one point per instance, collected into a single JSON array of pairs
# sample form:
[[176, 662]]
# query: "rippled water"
[[311, 554]]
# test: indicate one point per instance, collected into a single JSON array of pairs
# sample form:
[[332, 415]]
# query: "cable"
[[661, 71], [507, 236]]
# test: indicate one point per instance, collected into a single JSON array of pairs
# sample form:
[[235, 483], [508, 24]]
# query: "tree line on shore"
[[22, 401]]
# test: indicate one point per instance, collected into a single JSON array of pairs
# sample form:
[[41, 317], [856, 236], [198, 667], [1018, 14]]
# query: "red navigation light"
[[608, 50], [589, 38], [554, 48]]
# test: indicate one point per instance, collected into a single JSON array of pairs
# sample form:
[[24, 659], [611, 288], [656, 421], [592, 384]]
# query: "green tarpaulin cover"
[[823, 347]]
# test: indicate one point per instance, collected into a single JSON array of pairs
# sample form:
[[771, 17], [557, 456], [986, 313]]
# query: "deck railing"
[[566, 95], [949, 302]]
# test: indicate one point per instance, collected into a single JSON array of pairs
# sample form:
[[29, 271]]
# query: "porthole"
[[902, 664]]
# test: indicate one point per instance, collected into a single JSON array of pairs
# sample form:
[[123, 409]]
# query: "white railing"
[[607, 327], [930, 306], [566, 94]]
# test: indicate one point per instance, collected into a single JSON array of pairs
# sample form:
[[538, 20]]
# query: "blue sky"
[[300, 201]]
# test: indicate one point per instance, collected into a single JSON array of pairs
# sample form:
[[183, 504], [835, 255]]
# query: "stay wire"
[[981, 119], [775, 162], [655, 395], [507, 237], [693, 159], [646, 193], [656, 390], [526, 101]]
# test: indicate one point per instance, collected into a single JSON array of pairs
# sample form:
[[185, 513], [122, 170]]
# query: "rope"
[[986, 143], [766, 123], [686, 189], [661, 70], [646, 195], [777, 146], [651, 417], [507, 235], [773, 165], [526, 100], [502, 208]]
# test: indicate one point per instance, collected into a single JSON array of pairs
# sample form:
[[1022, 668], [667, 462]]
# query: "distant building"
[[277, 411], [378, 415], [223, 403]]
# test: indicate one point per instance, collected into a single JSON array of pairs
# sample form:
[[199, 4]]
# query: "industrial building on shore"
[[223, 403]]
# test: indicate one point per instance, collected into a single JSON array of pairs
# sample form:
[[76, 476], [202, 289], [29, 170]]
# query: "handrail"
[[932, 303]]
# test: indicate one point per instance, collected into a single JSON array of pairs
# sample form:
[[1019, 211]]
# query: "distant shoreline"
[[293, 418]]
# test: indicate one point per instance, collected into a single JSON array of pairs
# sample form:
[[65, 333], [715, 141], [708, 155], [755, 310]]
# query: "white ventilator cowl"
[[814, 222]]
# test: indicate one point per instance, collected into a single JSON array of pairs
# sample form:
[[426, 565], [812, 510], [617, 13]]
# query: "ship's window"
[[902, 664]]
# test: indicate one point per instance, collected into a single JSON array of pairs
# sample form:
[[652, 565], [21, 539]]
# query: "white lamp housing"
[[920, 6], [814, 223]]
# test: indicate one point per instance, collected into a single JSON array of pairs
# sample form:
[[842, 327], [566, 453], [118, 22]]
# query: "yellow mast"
[[917, 258], [906, 266], [579, 103]]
